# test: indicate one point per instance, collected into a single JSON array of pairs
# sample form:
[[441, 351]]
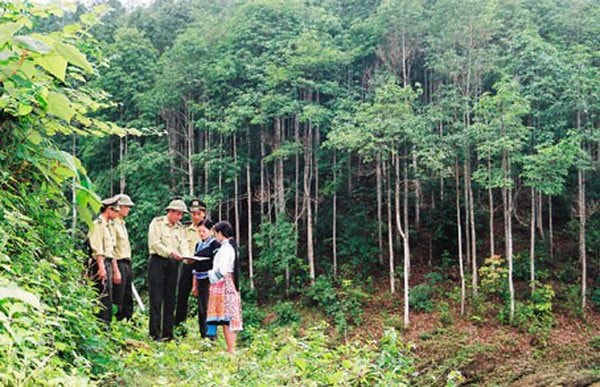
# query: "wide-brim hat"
[[197, 205], [111, 202], [177, 205], [125, 200]]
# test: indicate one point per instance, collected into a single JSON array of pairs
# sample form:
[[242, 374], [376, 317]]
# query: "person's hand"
[[117, 279], [176, 256], [188, 261], [102, 273]]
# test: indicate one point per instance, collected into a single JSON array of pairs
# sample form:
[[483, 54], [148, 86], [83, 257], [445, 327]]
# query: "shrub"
[[344, 305], [445, 316], [535, 315], [596, 298], [286, 313], [420, 298], [493, 277]]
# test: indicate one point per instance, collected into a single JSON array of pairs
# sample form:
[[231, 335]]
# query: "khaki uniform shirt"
[[163, 238], [122, 246], [101, 238], [191, 233]]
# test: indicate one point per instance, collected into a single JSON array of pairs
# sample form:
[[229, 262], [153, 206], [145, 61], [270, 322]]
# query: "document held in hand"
[[195, 258]]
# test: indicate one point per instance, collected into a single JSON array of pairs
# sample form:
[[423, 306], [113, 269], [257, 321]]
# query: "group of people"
[[199, 258]]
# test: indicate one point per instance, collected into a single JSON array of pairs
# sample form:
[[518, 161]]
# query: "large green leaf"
[[73, 56], [54, 64], [15, 292], [31, 44], [7, 30], [60, 106]]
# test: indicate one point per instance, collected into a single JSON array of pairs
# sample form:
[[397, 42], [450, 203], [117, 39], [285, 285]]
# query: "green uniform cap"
[[197, 205]]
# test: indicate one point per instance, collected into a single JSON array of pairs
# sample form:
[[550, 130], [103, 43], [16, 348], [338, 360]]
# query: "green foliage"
[[343, 305], [493, 277], [420, 298], [445, 315], [278, 356], [276, 242], [596, 298], [421, 295], [286, 313], [47, 324], [535, 315]]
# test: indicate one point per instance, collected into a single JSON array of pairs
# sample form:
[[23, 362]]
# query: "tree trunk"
[[405, 210], [121, 159], [190, 151], [582, 243], [315, 162], [73, 191], [280, 196], [349, 175], [206, 169], [459, 240], [390, 230], [263, 153], [540, 215], [491, 210], [466, 199], [474, 278], [403, 234], [307, 203], [249, 205], [417, 193], [532, 244], [379, 208], [507, 207], [334, 216], [220, 177], [236, 189], [112, 163], [296, 201], [550, 228]]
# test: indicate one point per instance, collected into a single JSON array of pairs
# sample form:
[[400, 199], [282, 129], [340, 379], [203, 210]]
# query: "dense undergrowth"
[[274, 355]]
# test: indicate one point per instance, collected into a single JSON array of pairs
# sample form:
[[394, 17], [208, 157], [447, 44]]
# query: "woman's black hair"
[[224, 227], [207, 223]]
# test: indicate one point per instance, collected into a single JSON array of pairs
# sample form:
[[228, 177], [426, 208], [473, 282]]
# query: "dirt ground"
[[488, 353]]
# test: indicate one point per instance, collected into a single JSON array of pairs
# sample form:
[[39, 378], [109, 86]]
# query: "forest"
[[414, 186]]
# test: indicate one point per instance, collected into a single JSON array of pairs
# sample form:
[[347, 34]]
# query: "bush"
[[286, 313], [493, 277], [596, 298], [343, 305], [445, 316], [535, 316], [420, 298]]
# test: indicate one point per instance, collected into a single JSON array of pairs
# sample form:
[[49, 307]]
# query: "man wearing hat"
[[184, 287], [167, 245], [102, 244], [122, 294]]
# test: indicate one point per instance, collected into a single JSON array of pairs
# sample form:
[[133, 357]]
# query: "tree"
[[501, 135]]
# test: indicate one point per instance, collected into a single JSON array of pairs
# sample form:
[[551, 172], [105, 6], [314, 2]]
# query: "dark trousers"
[[104, 289], [203, 286], [122, 294], [162, 281], [184, 288]]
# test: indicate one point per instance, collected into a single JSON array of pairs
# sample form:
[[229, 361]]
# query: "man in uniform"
[[122, 293], [184, 288], [167, 245], [103, 268]]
